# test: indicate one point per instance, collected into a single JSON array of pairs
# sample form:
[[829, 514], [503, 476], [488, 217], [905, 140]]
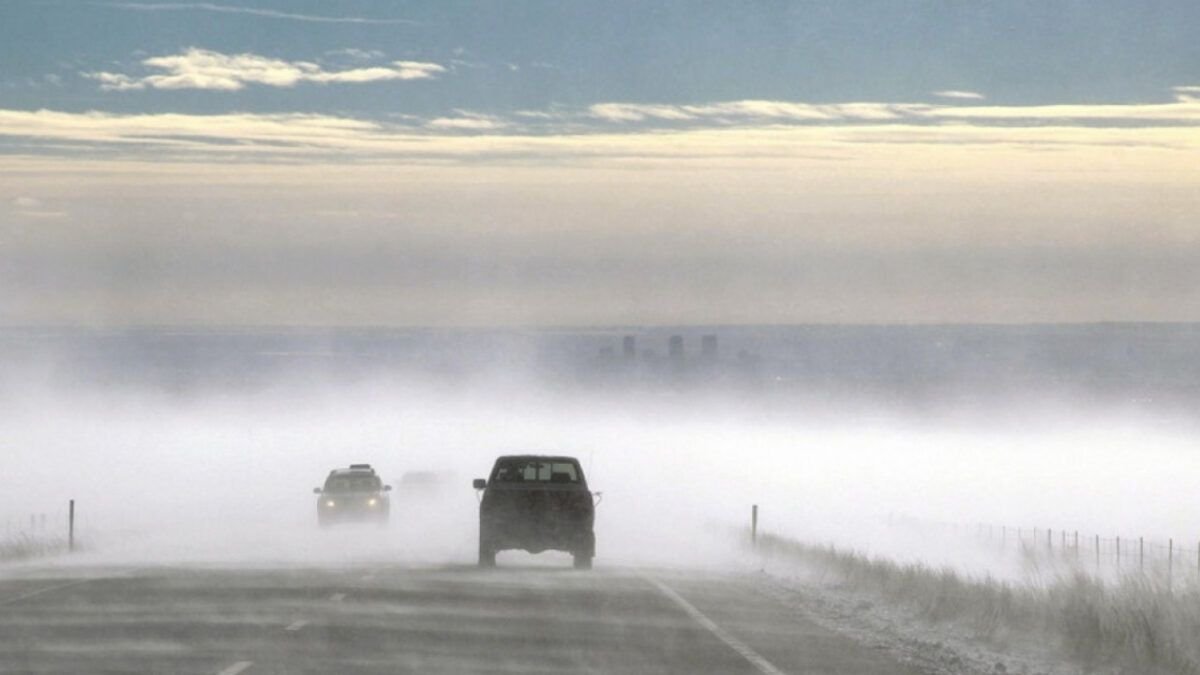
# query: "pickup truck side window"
[[529, 471]]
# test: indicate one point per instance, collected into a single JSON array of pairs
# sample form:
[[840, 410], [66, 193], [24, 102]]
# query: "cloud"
[[251, 11], [357, 54], [959, 94], [722, 131], [737, 112], [1185, 109], [538, 114], [205, 69], [467, 138], [1190, 94], [466, 121], [634, 112]]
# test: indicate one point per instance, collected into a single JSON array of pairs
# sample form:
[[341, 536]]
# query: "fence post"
[[754, 525], [1098, 553], [71, 527], [1049, 539], [1170, 561], [1076, 545], [1141, 556]]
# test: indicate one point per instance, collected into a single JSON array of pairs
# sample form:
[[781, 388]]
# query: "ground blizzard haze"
[[228, 477]]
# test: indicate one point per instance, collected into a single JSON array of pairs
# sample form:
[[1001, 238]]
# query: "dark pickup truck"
[[536, 503]]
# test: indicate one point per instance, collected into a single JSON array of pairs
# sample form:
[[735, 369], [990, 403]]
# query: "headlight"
[[372, 501], [330, 503]]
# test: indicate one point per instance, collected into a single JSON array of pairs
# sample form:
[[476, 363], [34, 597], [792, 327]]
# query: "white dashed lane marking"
[[297, 625], [755, 659], [337, 597], [40, 591], [236, 668], [127, 575]]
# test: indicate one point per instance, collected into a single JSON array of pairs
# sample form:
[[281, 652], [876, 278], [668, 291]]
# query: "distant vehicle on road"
[[355, 494], [536, 503], [418, 484]]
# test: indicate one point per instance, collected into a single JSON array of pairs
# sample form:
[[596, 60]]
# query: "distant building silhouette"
[[675, 349], [708, 348], [629, 348]]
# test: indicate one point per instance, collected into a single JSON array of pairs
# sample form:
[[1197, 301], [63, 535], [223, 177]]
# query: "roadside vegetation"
[[25, 545], [1137, 624]]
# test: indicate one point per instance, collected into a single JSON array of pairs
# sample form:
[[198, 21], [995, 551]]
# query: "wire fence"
[[32, 535], [31, 524], [1084, 551]]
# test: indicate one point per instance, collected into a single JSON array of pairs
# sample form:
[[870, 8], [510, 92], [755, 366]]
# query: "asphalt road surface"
[[404, 619]]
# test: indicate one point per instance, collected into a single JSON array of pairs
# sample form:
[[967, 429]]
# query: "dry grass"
[[1137, 623], [25, 545]]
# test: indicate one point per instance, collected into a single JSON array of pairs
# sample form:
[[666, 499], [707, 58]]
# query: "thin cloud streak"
[[252, 11], [204, 69], [338, 140], [466, 122], [749, 129], [959, 94], [1184, 109]]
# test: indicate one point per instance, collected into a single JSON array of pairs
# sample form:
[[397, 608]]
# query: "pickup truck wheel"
[[487, 554], [583, 561]]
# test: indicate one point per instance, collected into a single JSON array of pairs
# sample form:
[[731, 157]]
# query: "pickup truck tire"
[[583, 561], [487, 554]]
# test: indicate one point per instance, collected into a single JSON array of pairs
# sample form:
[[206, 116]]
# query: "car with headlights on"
[[355, 494]]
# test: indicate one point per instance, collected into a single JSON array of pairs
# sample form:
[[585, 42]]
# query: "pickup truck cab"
[[536, 503]]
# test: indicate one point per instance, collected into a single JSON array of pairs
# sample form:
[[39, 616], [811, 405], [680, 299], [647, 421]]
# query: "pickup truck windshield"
[[532, 470]]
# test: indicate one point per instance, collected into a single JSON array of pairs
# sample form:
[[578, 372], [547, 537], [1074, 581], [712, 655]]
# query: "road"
[[411, 619]]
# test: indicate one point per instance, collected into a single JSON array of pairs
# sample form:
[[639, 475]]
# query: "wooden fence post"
[[1170, 561]]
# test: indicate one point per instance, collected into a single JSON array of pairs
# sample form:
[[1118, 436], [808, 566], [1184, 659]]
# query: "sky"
[[568, 163]]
